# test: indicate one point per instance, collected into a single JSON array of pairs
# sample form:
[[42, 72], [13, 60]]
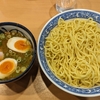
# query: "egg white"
[[13, 40], [2, 75]]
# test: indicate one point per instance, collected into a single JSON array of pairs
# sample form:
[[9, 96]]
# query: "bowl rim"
[[39, 59], [34, 53]]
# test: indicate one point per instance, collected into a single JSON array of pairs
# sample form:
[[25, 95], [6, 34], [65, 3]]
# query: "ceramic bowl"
[[16, 27], [70, 14]]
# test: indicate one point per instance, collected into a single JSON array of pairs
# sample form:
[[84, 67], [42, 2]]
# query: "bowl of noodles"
[[69, 51], [17, 51]]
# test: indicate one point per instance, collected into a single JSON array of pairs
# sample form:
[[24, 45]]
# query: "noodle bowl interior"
[[72, 51]]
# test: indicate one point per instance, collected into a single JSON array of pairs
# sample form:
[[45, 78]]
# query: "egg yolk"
[[22, 45], [6, 67]]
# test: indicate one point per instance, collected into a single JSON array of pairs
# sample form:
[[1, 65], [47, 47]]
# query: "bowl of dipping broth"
[[69, 51], [17, 51]]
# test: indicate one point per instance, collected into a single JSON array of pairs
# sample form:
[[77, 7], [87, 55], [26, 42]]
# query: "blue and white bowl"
[[75, 13]]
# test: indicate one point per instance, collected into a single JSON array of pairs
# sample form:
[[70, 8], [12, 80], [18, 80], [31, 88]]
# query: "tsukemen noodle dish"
[[15, 54], [72, 51]]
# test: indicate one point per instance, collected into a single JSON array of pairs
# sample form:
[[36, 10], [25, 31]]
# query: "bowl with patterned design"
[[72, 63]]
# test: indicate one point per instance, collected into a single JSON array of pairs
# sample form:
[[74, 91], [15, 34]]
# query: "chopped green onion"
[[2, 36], [10, 51], [23, 69], [18, 70], [7, 54], [13, 53], [13, 33], [8, 33], [26, 54], [19, 59], [9, 36]]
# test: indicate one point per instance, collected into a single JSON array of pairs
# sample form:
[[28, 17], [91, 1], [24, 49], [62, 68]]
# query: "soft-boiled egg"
[[18, 44], [7, 67]]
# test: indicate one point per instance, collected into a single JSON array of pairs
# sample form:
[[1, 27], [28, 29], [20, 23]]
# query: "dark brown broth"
[[26, 58]]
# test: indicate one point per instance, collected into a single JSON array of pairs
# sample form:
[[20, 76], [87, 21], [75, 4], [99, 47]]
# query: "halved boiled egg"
[[7, 67], [18, 44]]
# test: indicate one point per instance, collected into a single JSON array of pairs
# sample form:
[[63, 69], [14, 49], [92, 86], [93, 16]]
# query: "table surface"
[[34, 14]]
